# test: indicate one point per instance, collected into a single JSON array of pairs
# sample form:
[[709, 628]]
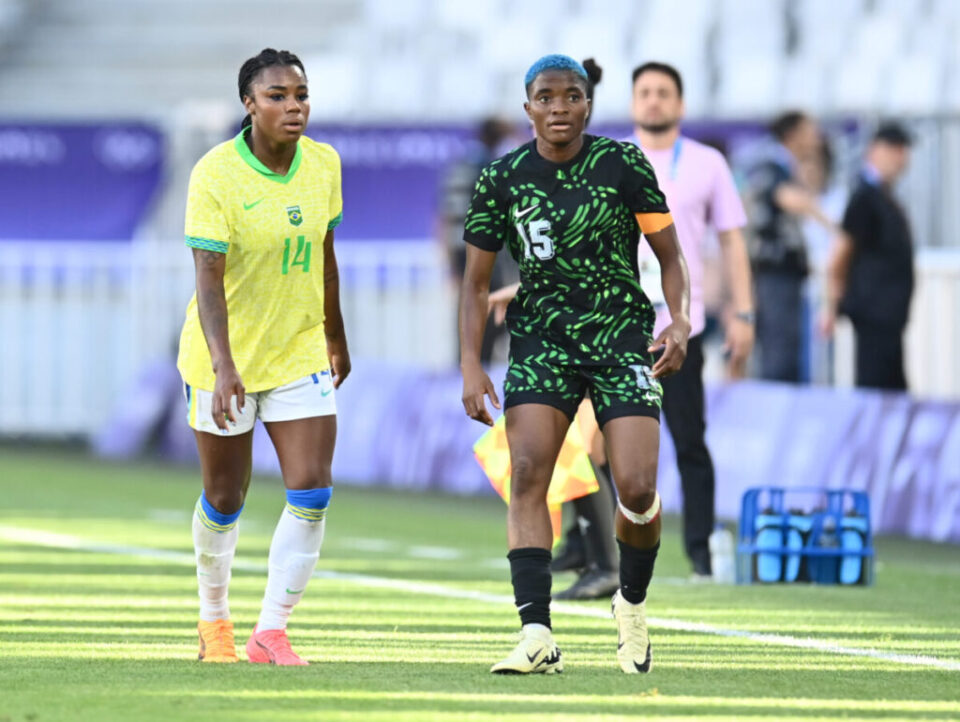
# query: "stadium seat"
[[803, 83], [337, 82], [747, 84], [409, 15], [916, 86], [454, 100], [857, 85], [878, 37]]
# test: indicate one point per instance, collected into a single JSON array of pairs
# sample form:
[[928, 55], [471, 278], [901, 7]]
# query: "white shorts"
[[303, 399]]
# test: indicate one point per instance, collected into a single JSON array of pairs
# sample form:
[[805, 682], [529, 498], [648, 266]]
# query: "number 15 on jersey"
[[537, 242]]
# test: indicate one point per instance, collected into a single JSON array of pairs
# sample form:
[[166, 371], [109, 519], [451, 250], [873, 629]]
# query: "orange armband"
[[653, 222]]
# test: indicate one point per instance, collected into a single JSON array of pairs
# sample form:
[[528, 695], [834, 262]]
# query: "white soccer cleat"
[[536, 653], [633, 641]]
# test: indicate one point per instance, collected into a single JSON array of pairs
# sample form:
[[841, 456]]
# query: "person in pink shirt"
[[702, 196]]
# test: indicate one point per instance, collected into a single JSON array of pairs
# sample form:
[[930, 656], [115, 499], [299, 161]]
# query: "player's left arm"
[[333, 318], [642, 195], [676, 292], [740, 325]]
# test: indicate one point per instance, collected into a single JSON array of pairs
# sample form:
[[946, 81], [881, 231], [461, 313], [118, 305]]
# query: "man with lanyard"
[[701, 192]]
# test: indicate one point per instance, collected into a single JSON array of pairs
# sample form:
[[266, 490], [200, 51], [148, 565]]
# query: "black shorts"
[[614, 390]]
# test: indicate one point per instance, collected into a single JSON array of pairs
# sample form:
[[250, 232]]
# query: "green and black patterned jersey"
[[572, 228]]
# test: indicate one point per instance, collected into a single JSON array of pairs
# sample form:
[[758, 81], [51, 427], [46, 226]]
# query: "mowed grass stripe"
[[105, 637], [64, 541]]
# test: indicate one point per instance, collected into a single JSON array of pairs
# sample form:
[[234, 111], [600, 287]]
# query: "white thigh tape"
[[646, 517]]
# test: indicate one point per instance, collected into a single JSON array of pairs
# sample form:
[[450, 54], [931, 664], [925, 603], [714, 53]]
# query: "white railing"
[[932, 342], [79, 320]]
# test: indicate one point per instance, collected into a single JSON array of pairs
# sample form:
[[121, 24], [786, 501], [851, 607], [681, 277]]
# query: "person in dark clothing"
[[871, 268], [777, 203], [493, 136]]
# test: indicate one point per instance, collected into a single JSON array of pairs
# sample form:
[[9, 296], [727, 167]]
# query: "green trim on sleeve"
[[205, 244], [334, 222]]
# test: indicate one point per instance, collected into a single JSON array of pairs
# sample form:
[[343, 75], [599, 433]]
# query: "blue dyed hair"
[[554, 62]]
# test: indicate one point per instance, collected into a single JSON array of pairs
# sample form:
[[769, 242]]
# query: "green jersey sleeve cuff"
[[205, 244], [334, 222]]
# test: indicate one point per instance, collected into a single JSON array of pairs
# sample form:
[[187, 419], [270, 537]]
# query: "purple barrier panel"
[[400, 427], [77, 182], [392, 176], [406, 428], [904, 453]]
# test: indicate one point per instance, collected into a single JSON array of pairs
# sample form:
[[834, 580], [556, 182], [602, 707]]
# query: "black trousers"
[[683, 411], [779, 303], [880, 357]]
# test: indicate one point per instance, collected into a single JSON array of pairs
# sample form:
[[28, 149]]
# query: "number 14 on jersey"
[[301, 256]]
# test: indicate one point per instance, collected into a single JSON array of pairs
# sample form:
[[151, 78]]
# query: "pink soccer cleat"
[[272, 647]]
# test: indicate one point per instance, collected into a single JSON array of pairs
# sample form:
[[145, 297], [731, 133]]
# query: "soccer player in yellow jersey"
[[263, 338]]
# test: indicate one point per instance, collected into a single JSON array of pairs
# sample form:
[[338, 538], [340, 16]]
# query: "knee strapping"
[[643, 518], [309, 504]]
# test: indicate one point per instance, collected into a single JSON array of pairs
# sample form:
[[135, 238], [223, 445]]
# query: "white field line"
[[64, 541]]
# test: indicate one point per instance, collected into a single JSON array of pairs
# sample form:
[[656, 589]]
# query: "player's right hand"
[[476, 385], [672, 341], [227, 385]]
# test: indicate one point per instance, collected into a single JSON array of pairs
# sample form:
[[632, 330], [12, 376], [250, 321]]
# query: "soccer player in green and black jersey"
[[570, 207]]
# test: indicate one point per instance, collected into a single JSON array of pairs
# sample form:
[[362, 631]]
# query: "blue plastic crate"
[[805, 534]]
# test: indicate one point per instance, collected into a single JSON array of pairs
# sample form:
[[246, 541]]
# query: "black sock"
[[598, 535], [530, 574], [636, 569]]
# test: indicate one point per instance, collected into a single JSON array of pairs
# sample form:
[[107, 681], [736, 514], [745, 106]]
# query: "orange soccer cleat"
[[216, 642]]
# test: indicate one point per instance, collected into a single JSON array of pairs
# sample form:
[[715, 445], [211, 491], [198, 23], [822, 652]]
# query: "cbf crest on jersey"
[[295, 216]]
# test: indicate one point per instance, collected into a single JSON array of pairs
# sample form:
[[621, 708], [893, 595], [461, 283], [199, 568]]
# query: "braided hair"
[[594, 74], [267, 58]]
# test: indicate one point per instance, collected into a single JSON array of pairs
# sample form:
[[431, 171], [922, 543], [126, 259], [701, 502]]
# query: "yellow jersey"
[[271, 228]]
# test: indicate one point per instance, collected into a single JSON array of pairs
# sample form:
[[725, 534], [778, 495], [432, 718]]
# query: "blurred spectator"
[[816, 173], [494, 138], [871, 267], [777, 204]]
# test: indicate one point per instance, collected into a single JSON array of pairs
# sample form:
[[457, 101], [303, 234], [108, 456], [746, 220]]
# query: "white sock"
[[538, 629], [214, 550], [293, 556]]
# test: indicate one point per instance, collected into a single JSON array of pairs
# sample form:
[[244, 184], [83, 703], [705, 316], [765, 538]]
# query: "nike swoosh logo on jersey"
[[327, 392], [290, 591], [518, 214], [248, 206]]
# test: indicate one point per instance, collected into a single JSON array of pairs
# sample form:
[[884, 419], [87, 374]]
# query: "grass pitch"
[[98, 614]]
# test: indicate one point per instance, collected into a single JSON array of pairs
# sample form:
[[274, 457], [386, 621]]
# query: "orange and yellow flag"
[[573, 475]]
